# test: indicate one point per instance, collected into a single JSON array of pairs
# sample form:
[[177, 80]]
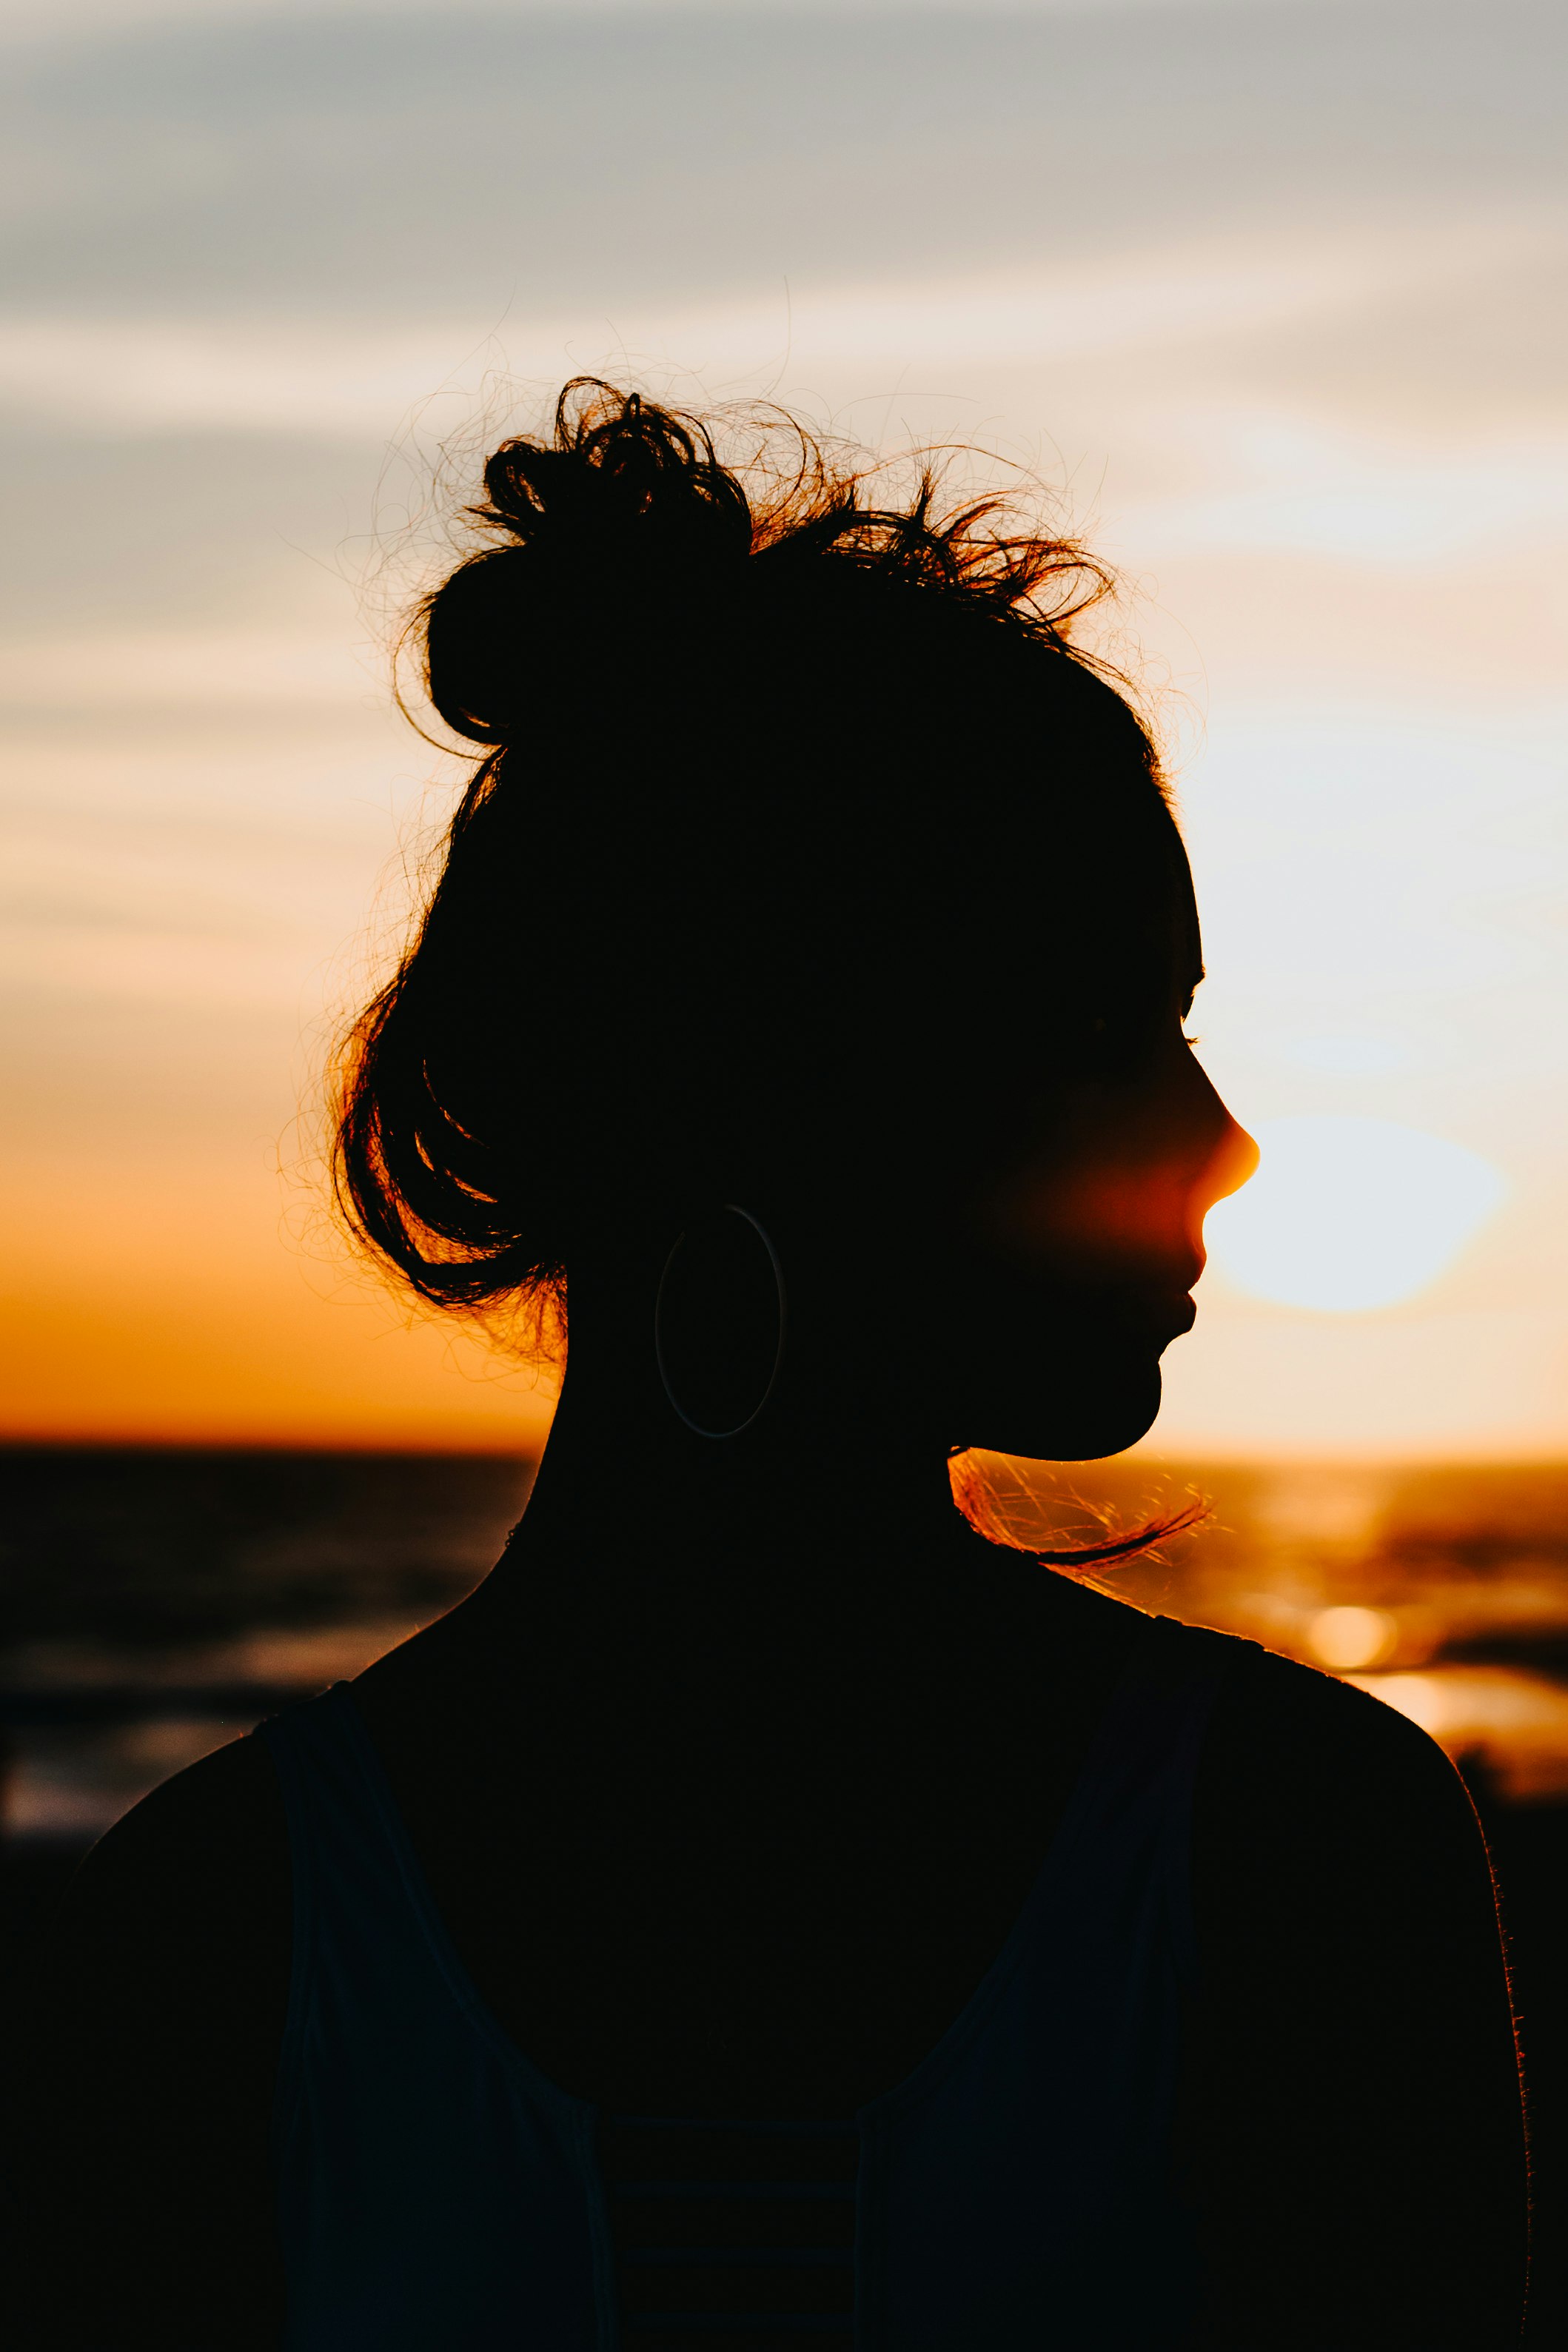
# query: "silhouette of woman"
[[765, 1908]]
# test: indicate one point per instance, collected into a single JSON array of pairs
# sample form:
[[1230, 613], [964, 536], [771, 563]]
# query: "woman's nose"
[[1226, 1157], [1232, 1164]]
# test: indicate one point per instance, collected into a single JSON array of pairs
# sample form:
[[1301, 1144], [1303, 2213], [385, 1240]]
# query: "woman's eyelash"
[[1187, 1038]]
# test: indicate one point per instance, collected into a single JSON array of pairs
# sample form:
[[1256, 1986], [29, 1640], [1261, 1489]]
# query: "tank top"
[[1015, 2192]]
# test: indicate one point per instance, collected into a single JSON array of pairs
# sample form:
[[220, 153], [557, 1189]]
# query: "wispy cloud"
[[364, 379]]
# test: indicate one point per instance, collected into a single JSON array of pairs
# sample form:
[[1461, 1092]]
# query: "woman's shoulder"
[[1331, 1832], [173, 1933], [201, 1857], [1354, 2079], [1292, 1739], [1282, 1739], [145, 2023]]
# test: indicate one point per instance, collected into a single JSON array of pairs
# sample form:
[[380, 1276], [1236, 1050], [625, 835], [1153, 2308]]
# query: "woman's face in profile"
[[1080, 1258]]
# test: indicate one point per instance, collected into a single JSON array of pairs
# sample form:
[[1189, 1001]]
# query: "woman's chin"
[[1092, 1410]]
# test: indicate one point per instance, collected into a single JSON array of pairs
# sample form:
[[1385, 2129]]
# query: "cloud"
[[365, 379], [57, 21], [426, 161], [193, 669], [1286, 482]]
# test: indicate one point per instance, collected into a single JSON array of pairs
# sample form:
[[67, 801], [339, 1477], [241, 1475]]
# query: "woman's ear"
[[719, 1321]]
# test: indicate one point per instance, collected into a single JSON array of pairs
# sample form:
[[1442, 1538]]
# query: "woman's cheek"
[[1099, 1218]]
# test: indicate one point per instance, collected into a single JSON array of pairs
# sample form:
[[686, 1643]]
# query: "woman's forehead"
[[1160, 931], [1188, 937]]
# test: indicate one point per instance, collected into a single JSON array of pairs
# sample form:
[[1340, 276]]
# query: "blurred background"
[[1268, 293]]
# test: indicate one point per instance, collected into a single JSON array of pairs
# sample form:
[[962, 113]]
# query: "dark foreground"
[[155, 1602]]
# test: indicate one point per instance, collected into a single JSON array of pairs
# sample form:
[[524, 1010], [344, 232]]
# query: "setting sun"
[[1347, 1214]]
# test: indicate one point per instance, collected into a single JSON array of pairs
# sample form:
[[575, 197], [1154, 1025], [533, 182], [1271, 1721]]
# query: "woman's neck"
[[829, 1516], [623, 1476]]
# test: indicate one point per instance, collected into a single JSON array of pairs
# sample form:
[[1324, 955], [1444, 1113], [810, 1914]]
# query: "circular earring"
[[718, 1322]]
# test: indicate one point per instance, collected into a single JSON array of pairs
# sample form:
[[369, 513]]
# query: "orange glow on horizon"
[[211, 1328]]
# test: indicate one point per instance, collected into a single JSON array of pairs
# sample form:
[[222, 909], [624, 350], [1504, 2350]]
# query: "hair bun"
[[622, 489], [621, 522], [616, 469]]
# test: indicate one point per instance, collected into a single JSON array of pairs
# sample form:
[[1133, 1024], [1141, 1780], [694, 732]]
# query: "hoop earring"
[[699, 1424]]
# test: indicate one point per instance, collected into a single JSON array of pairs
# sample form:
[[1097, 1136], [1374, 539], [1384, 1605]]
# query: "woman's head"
[[807, 864]]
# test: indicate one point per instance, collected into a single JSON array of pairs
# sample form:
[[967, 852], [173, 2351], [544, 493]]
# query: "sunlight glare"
[[1356, 1057], [1349, 1213]]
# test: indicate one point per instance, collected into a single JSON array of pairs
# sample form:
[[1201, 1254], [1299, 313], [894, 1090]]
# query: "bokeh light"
[[1348, 1637]]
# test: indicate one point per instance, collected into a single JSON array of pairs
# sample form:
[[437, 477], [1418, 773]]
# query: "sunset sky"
[[1270, 292]]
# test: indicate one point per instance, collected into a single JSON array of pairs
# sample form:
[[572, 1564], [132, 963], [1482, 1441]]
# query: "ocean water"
[[153, 1603]]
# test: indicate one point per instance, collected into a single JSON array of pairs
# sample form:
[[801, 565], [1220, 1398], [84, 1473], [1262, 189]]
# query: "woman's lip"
[[1169, 1312], [1159, 1313]]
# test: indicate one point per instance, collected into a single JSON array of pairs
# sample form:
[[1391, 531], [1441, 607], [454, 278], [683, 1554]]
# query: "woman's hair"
[[797, 818]]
